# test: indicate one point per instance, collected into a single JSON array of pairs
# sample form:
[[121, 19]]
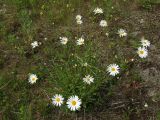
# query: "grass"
[[60, 68], [148, 4]]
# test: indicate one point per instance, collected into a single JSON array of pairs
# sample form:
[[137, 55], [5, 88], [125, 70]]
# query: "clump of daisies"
[[113, 69], [142, 52], [98, 11], [74, 103], [79, 19], [80, 41], [88, 79], [122, 33], [63, 40], [145, 42], [32, 78], [35, 44], [57, 100], [103, 23]]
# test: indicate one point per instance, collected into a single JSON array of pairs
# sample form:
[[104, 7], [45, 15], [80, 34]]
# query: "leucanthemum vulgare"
[[80, 41], [88, 79], [103, 23], [63, 40], [74, 103], [57, 100], [113, 69], [142, 52], [122, 33], [34, 44], [145, 42], [98, 11], [32, 78]]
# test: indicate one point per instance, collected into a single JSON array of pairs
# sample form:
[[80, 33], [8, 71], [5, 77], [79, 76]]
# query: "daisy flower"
[[113, 69], [74, 103], [79, 22], [63, 40], [98, 11], [145, 43], [80, 41], [107, 34], [57, 100], [142, 52], [88, 79], [32, 78], [78, 17], [34, 44], [85, 64], [122, 33], [45, 38], [146, 105], [103, 23]]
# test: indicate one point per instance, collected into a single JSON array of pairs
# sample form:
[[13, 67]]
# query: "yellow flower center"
[[113, 69], [74, 103], [141, 52], [33, 79], [57, 99]]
